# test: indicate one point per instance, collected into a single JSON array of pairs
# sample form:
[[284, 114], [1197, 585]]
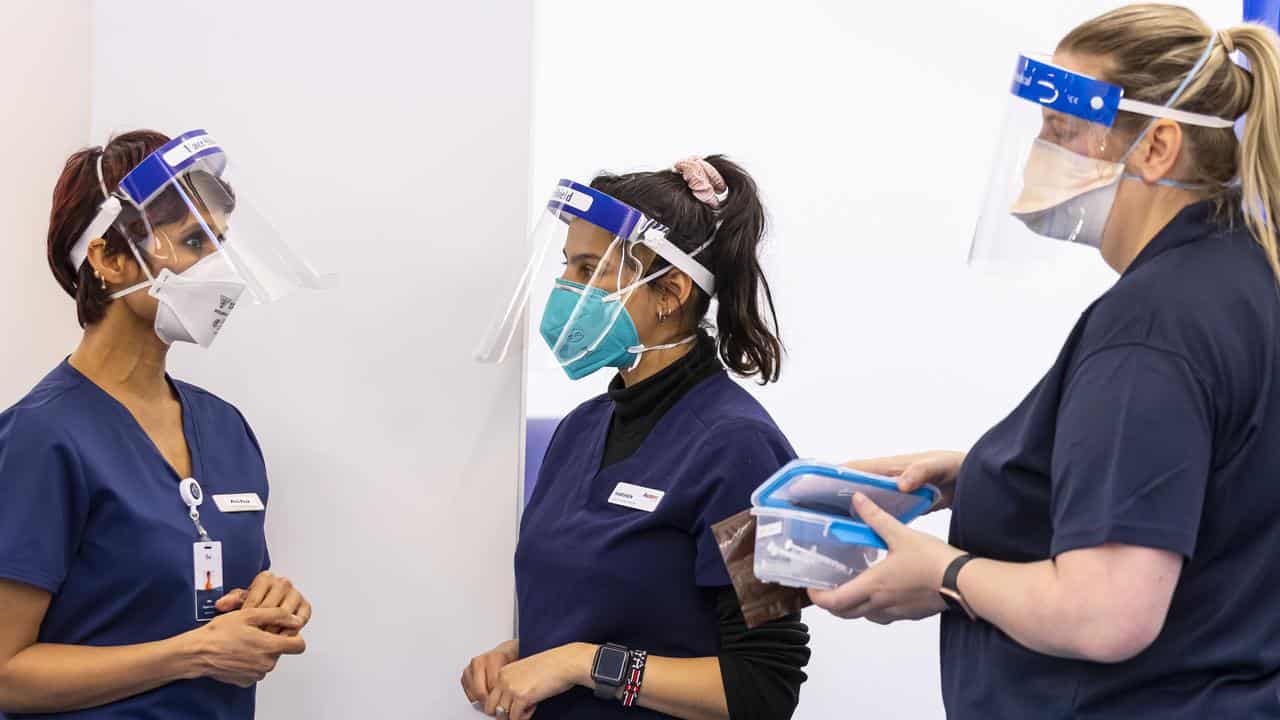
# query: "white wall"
[[869, 127], [44, 93], [391, 137]]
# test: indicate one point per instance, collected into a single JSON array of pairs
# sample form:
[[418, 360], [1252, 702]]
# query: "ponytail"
[[746, 323], [1259, 159], [746, 320]]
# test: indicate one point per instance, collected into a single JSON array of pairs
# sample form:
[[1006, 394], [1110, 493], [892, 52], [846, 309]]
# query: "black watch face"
[[611, 665]]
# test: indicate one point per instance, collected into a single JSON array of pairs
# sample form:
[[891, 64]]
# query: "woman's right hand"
[[481, 674], [938, 468], [239, 649]]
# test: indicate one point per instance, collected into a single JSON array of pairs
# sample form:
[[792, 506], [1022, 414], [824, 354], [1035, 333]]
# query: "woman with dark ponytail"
[[623, 597]]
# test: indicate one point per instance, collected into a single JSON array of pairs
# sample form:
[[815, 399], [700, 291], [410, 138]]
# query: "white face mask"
[[1067, 196], [195, 303]]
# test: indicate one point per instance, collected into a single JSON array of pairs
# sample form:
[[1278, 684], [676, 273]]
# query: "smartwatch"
[[950, 590], [609, 669]]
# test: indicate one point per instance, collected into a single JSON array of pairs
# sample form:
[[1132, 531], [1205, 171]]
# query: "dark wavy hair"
[[76, 198], [746, 322]]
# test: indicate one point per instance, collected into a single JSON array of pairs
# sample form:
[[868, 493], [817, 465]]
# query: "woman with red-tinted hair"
[[112, 563]]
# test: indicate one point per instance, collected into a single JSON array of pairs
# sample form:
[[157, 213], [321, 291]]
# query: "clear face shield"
[[1059, 165], [201, 246], [589, 257]]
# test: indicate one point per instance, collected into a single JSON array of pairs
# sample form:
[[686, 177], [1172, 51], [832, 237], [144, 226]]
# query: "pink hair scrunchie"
[[704, 180]]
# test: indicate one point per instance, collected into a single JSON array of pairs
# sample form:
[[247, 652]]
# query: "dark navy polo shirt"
[[591, 571], [90, 512], [1158, 426]]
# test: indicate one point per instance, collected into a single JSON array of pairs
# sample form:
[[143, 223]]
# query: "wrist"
[[944, 561], [581, 657], [185, 655], [950, 588], [509, 650]]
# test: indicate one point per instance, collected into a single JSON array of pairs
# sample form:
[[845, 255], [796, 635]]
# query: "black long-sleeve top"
[[762, 668]]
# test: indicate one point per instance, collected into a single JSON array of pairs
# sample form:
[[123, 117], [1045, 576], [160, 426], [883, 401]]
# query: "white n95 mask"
[[1065, 195], [194, 304]]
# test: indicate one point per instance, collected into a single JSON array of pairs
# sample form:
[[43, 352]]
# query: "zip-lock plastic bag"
[[761, 602]]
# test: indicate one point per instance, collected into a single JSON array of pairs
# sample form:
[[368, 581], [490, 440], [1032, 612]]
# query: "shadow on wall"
[[538, 432]]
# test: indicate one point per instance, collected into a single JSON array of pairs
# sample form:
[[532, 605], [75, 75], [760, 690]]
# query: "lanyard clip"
[[192, 496]]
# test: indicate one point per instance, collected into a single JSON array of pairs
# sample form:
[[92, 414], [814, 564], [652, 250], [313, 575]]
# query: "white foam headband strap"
[[1182, 116], [107, 214], [655, 238], [108, 211], [1168, 112]]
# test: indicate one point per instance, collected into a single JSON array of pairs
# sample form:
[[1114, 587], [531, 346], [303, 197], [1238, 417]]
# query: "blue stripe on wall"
[[1263, 11]]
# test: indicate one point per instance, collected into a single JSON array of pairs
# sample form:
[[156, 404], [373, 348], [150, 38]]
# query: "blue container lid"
[[824, 493]]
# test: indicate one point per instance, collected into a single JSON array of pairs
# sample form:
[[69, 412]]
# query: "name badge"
[[208, 579], [239, 502], [636, 497]]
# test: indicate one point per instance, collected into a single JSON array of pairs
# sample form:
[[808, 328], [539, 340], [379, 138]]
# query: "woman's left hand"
[[902, 586], [525, 683], [268, 591]]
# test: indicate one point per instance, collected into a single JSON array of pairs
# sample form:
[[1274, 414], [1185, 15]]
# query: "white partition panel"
[[44, 93]]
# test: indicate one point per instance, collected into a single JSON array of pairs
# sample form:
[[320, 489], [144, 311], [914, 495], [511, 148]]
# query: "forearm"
[[686, 688], [46, 678], [1029, 602], [1019, 599]]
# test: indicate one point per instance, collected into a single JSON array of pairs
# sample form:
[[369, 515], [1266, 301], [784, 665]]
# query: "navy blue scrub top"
[[90, 512], [1158, 426], [590, 571]]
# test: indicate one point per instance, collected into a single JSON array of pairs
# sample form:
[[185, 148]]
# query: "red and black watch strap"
[[635, 678]]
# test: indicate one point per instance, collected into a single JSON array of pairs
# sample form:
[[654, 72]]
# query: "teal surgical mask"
[[601, 334]]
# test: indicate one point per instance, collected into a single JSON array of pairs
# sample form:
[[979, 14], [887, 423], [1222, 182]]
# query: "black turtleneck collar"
[[637, 409]]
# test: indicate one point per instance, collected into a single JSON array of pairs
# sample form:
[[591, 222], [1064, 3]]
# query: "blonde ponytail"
[[1259, 157]]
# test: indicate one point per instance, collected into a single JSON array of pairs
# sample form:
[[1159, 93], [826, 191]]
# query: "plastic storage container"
[[807, 532]]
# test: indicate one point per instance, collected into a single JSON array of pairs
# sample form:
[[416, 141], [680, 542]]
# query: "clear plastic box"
[[807, 532]]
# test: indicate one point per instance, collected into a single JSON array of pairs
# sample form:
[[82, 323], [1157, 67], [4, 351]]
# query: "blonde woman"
[[1113, 549]]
